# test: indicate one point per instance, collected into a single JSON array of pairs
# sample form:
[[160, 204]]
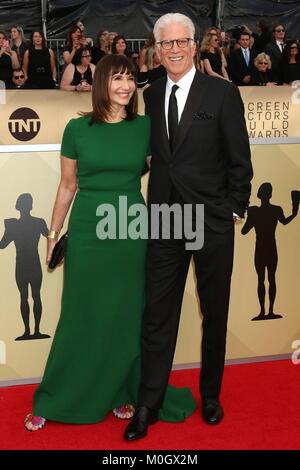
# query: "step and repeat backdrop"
[[267, 253]]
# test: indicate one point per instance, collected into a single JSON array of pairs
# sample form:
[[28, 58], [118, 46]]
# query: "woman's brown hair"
[[105, 69], [41, 33]]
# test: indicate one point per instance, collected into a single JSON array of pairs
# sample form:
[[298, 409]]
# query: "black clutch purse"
[[59, 251]]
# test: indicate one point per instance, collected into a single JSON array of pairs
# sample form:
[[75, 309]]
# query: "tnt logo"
[[24, 124]]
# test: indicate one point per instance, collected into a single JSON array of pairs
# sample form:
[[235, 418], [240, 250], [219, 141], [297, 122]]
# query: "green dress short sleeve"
[[68, 147]]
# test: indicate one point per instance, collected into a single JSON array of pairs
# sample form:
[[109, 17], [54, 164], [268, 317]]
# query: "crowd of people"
[[264, 57]]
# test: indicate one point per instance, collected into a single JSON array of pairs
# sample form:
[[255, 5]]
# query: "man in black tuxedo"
[[241, 62], [275, 49], [200, 155]]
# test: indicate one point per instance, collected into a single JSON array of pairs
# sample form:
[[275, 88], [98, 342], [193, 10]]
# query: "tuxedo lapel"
[[192, 105]]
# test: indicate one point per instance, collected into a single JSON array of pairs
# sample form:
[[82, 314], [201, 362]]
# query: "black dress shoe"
[[138, 427], [212, 411]]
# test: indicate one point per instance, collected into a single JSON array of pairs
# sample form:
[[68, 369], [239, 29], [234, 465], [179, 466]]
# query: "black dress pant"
[[166, 271]]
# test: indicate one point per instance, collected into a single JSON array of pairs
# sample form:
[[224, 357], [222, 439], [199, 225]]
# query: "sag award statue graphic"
[[25, 233], [264, 220]]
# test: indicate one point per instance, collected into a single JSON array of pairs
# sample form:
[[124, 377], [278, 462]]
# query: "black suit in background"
[[261, 40], [210, 165], [275, 53], [238, 67]]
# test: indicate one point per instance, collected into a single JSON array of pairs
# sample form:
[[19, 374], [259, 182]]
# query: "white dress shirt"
[[181, 94], [280, 44]]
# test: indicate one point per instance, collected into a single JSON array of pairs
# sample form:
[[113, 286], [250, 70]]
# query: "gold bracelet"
[[52, 234]]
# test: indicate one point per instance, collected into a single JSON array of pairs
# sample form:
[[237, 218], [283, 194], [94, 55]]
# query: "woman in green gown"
[[94, 363]]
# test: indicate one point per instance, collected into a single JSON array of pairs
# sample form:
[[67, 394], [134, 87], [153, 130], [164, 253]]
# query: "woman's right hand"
[[51, 242], [86, 87]]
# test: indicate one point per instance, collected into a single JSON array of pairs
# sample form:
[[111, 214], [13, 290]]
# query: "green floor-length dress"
[[94, 362]]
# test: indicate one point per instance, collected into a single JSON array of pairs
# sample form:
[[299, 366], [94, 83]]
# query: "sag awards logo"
[[267, 119], [24, 124]]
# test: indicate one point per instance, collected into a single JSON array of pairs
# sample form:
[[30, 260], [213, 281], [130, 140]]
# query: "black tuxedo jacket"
[[274, 52], [238, 68], [210, 163], [275, 55]]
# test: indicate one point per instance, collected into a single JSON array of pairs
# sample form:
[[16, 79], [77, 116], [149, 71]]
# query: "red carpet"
[[261, 404]]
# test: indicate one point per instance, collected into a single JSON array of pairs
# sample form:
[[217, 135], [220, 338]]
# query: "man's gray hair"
[[169, 18]]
